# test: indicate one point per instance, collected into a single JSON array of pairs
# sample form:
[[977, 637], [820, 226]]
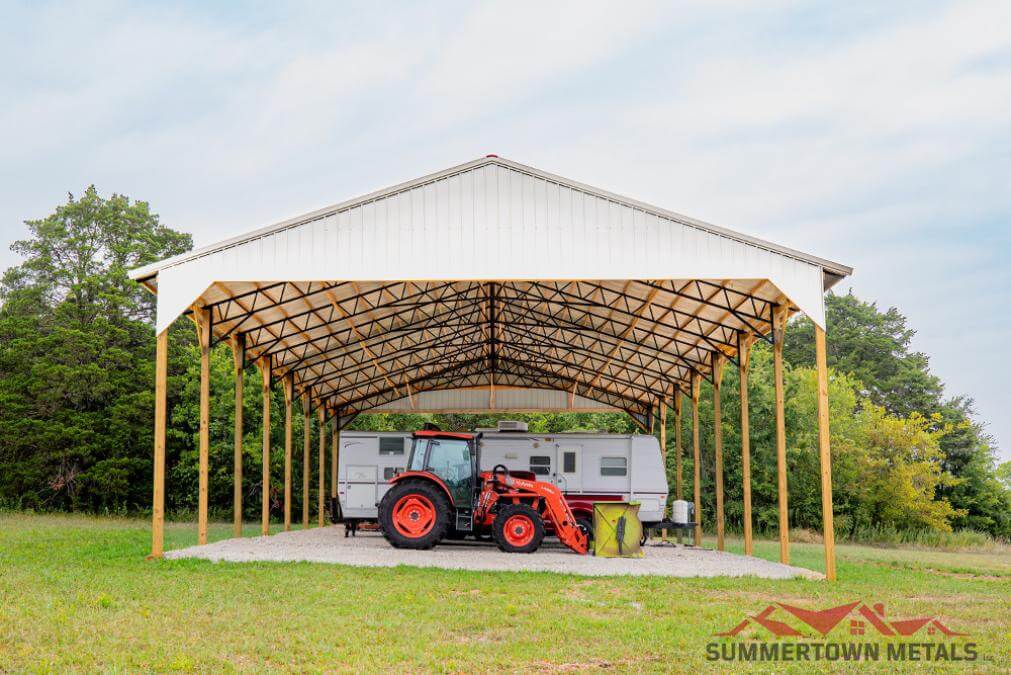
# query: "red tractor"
[[442, 494]]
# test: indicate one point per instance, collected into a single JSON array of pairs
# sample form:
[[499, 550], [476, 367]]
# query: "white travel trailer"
[[587, 467]]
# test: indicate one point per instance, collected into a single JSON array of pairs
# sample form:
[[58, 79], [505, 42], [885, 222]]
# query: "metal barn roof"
[[490, 274]]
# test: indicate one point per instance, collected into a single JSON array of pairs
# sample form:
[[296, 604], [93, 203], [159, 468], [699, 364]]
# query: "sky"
[[873, 134]]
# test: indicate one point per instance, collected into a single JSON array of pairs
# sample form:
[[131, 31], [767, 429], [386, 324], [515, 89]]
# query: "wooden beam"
[[321, 492], [719, 321], [361, 340], [780, 315], [237, 371], [745, 341], [825, 453], [203, 321], [160, 410], [265, 459], [696, 386], [642, 427], [289, 391], [307, 426], [225, 289], [678, 492], [284, 313], [637, 316], [718, 362]]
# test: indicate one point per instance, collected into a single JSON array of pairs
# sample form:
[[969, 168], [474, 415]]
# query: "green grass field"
[[78, 594]]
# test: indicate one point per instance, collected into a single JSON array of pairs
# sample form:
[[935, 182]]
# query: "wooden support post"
[[718, 361], [697, 454], [265, 460], [321, 492], [203, 321], [307, 426], [662, 403], [651, 424], [160, 410], [780, 315], [237, 360], [825, 453], [678, 492], [335, 434], [289, 386], [744, 342]]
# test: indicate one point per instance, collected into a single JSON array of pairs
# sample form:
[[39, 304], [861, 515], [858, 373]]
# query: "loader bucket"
[[617, 530]]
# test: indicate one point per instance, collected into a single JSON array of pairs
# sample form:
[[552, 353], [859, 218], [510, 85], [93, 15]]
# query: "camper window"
[[540, 465], [613, 466], [391, 446], [568, 462], [391, 471]]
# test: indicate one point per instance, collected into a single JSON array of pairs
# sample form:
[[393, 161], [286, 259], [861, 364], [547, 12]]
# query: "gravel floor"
[[369, 549]]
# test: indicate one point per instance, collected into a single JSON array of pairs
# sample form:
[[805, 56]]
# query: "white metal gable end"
[[491, 219], [490, 276]]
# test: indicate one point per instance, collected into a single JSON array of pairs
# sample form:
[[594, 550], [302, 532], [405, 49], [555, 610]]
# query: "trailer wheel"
[[414, 514], [518, 528]]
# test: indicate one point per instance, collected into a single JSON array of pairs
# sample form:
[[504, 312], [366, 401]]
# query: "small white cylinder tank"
[[679, 511]]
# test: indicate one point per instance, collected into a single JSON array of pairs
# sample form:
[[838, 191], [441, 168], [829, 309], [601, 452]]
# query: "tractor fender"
[[424, 475]]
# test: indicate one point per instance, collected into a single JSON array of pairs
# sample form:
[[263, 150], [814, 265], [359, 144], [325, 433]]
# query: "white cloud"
[[504, 51], [876, 135]]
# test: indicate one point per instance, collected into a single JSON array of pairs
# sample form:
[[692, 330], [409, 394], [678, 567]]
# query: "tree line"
[[76, 402]]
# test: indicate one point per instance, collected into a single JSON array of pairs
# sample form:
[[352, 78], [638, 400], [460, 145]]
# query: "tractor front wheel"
[[518, 528], [414, 514]]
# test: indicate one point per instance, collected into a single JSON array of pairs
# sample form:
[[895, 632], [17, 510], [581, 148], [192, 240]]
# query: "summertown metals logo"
[[924, 638]]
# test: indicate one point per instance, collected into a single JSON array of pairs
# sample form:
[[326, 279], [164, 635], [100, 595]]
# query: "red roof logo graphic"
[[861, 617]]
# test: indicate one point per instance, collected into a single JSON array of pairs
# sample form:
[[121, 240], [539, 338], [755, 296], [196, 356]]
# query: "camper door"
[[568, 461]]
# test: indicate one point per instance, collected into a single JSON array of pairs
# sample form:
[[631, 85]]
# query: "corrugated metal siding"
[[490, 222], [505, 399]]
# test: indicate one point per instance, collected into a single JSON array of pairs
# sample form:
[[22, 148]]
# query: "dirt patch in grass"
[[593, 664], [966, 575]]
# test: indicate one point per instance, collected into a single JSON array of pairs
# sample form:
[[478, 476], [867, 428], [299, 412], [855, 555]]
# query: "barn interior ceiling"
[[354, 346]]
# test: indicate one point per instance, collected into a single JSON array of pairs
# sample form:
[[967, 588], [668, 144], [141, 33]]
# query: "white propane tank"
[[679, 511]]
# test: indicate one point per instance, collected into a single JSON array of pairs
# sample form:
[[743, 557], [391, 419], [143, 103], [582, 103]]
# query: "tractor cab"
[[452, 459], [443, 495]]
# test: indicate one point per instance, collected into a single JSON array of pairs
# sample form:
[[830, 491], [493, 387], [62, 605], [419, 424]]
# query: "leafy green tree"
[[76, 357], [1004, 474], [874, 347]]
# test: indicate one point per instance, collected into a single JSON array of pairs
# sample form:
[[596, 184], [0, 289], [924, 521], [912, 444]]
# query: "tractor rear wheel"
[[414, 514], [518, 528]]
